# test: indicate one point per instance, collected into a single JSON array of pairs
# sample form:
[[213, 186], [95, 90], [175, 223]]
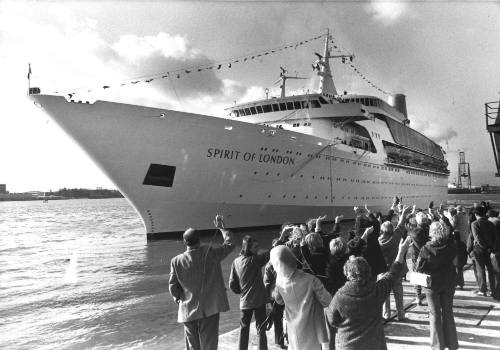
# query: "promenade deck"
[[477, 319]]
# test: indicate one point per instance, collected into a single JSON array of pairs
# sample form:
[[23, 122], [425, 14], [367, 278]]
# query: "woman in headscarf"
[[437, 258], [305, 299]]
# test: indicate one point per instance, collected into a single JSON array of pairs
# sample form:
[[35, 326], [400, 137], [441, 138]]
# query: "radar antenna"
[[283, 78]]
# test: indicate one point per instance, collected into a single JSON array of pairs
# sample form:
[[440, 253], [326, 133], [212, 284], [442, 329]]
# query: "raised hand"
[[338, 218], [404, 244], [405, 210], [321, 218], [219, 222], [414, 209]]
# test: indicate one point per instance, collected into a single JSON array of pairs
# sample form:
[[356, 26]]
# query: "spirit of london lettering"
[[220, 153]]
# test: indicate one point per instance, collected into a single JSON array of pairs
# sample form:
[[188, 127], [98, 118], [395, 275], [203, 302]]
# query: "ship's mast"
[[322, 67], [283, 78], [326, 85]]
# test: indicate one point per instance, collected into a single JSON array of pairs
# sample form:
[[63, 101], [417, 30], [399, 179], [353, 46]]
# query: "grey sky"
[[443, 55]]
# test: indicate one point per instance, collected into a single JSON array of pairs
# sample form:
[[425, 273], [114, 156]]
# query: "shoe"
[[482, 294]]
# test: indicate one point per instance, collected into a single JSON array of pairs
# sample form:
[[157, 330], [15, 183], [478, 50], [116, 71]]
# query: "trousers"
[[397, 289], [245, 320], [202, 334], [482, 263], [441, 320], [279, 336]]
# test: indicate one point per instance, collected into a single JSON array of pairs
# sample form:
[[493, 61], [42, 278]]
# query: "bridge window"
[[282, 106], [247, 111], [267, 108], [252, 110], [259, 109], [296, 104], [276, 108], [289, 106], [242, 112]]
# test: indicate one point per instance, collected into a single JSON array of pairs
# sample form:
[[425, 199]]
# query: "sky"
[[442, 55]]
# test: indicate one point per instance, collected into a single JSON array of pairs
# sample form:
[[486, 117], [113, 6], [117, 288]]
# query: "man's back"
[[483, 232], [462, 226], [196, 280]]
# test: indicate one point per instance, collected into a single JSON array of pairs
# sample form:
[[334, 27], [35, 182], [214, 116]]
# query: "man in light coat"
[[197, 285]]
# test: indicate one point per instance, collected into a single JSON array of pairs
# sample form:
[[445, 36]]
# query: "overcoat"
[[305, 299]]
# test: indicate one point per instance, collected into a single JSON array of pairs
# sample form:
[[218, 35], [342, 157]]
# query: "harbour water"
[[79, 274]]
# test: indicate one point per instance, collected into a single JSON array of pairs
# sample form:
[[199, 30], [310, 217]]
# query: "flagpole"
[[29, 78]]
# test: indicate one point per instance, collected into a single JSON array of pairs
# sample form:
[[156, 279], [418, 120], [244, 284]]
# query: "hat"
[[191, 237]]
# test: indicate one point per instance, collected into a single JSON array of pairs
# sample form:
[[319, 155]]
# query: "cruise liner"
[[279, 159]]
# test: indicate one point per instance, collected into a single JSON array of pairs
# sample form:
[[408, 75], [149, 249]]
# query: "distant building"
[[3, 188]]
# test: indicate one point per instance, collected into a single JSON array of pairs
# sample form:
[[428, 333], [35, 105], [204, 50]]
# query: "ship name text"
[[249, 156]]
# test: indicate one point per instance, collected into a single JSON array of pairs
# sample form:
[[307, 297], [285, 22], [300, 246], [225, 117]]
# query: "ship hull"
[[180, 169]]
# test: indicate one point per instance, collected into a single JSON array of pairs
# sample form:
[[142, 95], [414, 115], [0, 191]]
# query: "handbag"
[[420, 279]]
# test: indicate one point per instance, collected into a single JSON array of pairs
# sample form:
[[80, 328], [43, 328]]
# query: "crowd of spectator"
[[330, 289]]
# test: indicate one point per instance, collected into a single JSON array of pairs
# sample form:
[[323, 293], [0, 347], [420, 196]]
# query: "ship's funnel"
[[398, 101]]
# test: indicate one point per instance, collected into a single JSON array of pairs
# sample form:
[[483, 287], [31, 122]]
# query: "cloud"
[[170, 46], [386, 12], [432, 130]]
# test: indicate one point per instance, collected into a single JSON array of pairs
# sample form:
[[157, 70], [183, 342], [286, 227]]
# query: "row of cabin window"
[[276, 107], [364, 101]]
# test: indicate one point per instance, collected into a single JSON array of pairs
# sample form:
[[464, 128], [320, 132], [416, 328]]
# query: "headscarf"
[[284, 263]]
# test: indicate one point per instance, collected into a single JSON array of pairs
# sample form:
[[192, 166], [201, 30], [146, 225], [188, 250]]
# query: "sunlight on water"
[[79, 274], [71, 275]]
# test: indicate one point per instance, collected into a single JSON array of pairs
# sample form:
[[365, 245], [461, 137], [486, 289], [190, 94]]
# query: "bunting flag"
[[238, 60], [340, 49], [200, 68]]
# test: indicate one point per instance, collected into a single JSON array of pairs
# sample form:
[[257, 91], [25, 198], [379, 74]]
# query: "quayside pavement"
[[477, 319]]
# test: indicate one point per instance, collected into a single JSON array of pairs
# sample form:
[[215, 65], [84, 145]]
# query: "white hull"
[[253, 175]]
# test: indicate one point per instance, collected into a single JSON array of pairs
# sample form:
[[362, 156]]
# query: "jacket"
[[437, 260], [461, 225], [196, 281], [483, 236], [373, 253], [419, 237], [389, 245], [246, 270], [356, 311], [335, 272]]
